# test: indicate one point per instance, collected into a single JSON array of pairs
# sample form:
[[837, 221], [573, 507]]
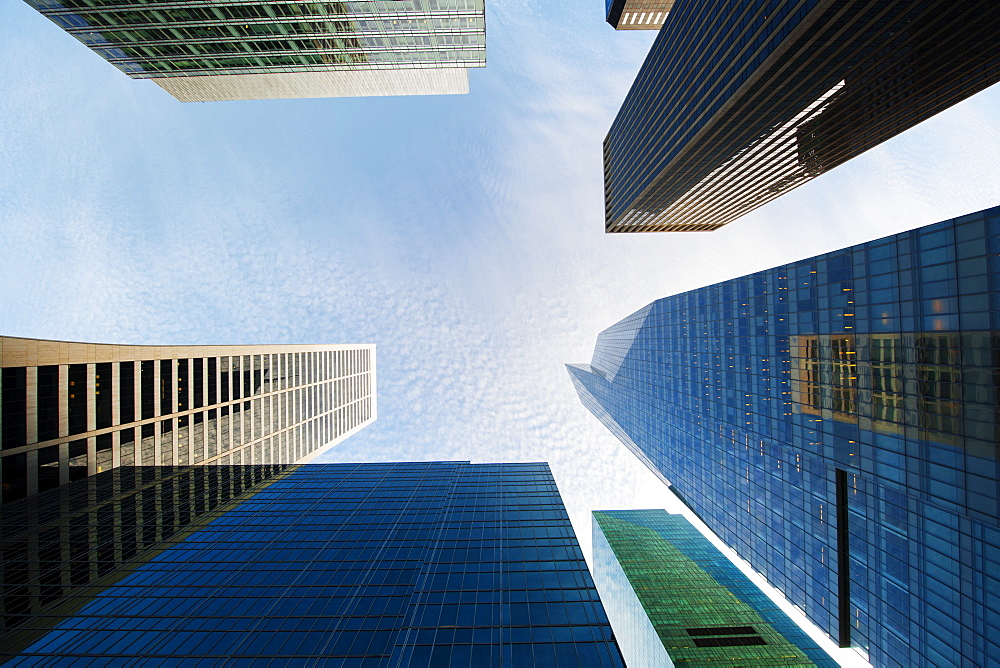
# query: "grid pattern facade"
[[354, 83], [405, 564], [836, 422], [637, 14], [192, 38], [702, 608], [61, 548], [737, 104], [69, 410]]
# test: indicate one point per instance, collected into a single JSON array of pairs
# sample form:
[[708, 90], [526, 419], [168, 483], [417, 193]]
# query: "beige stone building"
[[69, 410]]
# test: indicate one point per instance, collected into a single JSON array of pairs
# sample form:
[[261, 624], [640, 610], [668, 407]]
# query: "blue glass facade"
[[405, 564], [835, 421]]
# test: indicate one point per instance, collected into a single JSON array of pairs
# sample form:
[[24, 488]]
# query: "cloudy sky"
[[461, 234]]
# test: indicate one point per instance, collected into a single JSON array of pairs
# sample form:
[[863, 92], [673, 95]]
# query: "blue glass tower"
[[835, 421], [405, 564]]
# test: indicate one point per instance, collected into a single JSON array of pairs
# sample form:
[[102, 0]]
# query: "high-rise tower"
[[675, 599], [836, 422], [69, 410], [637, 14], [204, 50], [402, 564], [738, 103]]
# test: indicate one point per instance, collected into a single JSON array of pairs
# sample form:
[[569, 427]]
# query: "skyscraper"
[[637, 14], [402, 564], [69, 410], [739, 103], [836, 422], [673, 597], [203, 50]]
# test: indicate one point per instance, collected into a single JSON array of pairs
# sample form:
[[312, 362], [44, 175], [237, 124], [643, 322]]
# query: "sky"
[[463, 235]]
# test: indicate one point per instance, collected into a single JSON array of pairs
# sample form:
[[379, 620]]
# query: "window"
[[103, 394], [198, 382], [147, 391], [48, 402], [183, 388], [126, 392], [166, 387], [77, 398]]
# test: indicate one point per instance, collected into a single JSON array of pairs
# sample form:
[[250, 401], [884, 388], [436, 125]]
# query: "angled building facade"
[[737, 104], [203, 51], [401, 564], [69, 410], [674, 598], [637, 14], [836, 422]]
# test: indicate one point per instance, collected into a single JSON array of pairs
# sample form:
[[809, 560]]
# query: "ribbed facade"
[[69, 410], [637, 14], [836, 421], [739, 103], [401, 564], [282, 49]]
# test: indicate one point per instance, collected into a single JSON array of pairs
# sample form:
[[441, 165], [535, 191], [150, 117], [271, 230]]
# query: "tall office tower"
[[637, 14], [400, 564], [738, 103], [836, 422], [69, 410], [210, 50], [674, 598]]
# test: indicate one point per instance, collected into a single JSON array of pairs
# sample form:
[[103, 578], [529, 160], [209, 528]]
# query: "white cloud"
[[464, 236]]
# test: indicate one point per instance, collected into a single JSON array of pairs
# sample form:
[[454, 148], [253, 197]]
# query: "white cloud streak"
[[464, 236]]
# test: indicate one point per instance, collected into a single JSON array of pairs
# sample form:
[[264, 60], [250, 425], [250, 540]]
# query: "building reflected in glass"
[[836, 422], [400, 564], [674, 598], [205, 50], [62, 547], [70, 410]]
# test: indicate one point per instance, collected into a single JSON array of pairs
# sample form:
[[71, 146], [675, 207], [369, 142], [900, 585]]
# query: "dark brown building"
[[738, 103]]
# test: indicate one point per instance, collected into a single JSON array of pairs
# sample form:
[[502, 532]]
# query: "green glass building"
[[673, 598], [207, 50]]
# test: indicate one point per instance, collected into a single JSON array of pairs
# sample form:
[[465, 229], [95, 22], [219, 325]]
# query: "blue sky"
[[461, 234]]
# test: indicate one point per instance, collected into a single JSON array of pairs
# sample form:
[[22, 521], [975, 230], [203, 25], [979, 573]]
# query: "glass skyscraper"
[[205, 50], [836, 422], [738, 103], [69, 410], [673, 597], [400, 564]]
